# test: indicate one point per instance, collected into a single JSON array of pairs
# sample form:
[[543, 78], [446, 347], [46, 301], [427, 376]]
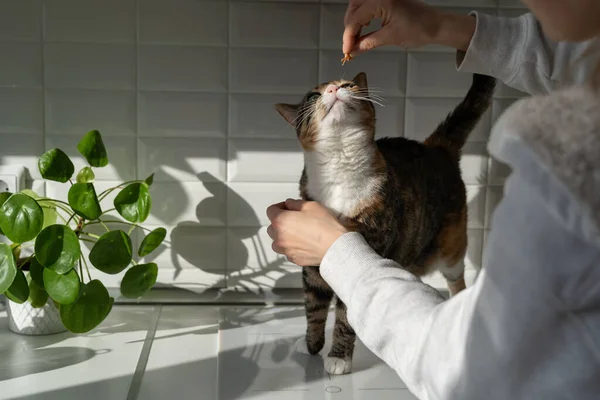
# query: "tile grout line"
[[140, 369]]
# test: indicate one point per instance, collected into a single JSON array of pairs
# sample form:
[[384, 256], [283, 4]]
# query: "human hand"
[[404, 23], [303, 231]]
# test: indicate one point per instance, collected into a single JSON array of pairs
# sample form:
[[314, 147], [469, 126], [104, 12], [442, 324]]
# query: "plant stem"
[[108, 191], [26, 261], [104, 225], [87, 240], [119, 222], [81, 267], [55, 201], [131, 228], [87, 268], [90, 235], [107, 211]]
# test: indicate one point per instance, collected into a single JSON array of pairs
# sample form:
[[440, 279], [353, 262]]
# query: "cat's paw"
[[301, 347], [338, 366]]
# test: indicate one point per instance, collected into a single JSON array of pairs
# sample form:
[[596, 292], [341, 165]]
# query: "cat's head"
[[331, 112]]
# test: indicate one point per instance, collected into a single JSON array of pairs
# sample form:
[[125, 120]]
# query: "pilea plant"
[[55, 230]]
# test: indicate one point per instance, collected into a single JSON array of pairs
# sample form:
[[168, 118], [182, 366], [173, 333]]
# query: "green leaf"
[[91, 308], [38, 297], [134, 202], [8, 267], [3, 197], [138, 280], [57, 248], [36, 271], [64, 289], [84, 201], [149, 180], [86, 175], [55, 165], [112, 253], [152, 241], [21, 218], [19, 290], [92, 148]]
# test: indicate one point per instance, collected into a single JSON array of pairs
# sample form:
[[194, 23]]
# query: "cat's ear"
[[288, 111], [361, 80]]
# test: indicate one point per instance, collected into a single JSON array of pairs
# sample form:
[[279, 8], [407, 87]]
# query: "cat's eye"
[[313, 96], [347, 85]]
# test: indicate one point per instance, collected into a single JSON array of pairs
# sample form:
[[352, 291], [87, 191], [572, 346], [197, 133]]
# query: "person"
[[529, 327]]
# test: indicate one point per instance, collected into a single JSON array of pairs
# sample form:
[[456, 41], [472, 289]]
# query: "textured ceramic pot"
[[26, 320]]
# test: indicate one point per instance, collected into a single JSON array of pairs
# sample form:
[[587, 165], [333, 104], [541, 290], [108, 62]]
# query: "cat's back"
[[411, 158]]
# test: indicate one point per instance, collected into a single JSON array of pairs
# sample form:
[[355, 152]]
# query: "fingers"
[[355, 19], [275, 210], [295, 205], [369, 41]]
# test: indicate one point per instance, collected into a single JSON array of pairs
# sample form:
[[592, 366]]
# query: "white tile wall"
[[186, 88]]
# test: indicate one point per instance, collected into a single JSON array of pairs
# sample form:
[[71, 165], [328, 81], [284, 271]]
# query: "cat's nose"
[[331, 89]]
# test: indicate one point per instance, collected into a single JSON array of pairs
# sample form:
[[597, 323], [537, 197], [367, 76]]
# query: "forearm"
[[395, 315], [514, 50]]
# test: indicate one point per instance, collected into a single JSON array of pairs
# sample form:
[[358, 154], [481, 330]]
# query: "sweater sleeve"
[[399, 317], [517, 52]]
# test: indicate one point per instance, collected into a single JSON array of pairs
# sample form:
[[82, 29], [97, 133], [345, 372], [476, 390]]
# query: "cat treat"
[[347, 57]]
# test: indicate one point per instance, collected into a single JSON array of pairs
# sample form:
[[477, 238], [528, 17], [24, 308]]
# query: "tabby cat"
[[407, 198]]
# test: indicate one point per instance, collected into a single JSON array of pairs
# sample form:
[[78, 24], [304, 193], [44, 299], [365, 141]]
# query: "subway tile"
[[390, 117], [252, 263], [188, 203], [435, 75], [476, 206], [272, 70], [89, 65], [474, 163], [184, 68], [248, 208], [121, 156], [21, 110], [273, 24], [21, 64], [22, 149], [77, 111], [254, 115], [182, 114], [265, 160], [90, 20], [21, 20], [183, 22], [182, 159], [390, 79], [189, 247], [473, 258], [423, 115], [493, 197]]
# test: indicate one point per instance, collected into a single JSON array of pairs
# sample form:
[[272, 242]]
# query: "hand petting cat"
[[303, 231]]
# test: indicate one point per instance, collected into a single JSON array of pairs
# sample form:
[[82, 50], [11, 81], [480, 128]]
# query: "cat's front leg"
[[339, 359], [317, 299]]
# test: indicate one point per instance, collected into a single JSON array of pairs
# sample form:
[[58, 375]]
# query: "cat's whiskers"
[[370, 100]]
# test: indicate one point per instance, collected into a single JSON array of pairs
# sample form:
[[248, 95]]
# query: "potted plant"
[[48, 290]]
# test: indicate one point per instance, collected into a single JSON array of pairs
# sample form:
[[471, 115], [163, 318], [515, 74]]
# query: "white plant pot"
[[26, 320]]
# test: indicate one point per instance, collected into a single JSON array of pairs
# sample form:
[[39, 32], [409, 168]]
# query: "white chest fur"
[[342, 178]]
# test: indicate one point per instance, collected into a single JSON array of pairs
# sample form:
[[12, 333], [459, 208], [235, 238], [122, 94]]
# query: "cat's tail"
[[458, 125]]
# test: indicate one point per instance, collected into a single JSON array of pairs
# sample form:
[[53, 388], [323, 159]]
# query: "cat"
[[407, 198]]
